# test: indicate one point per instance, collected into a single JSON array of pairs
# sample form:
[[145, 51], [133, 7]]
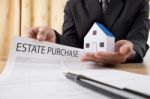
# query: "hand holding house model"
[[99, 38]]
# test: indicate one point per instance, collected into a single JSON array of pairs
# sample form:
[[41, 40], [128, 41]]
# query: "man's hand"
[[123, 51], [42, 34]]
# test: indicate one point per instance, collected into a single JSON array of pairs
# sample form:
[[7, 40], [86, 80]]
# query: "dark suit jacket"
[[126, 19]]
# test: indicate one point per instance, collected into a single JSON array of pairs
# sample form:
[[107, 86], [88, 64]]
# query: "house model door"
[[94, 47]]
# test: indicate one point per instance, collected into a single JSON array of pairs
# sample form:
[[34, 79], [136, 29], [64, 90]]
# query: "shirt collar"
[[107, 0]]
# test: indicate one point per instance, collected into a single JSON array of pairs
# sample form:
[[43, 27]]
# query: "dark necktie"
[[104, 4]]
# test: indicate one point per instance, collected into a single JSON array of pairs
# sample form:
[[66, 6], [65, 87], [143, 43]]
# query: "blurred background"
[[19, 15]]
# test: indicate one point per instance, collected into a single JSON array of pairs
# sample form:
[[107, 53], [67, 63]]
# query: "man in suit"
[[126, 19]]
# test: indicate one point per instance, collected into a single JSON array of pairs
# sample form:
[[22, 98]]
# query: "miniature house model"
[[99, 39]]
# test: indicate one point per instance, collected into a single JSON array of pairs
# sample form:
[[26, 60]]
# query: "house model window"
[[94, 32], [87, 45], [101, 44]]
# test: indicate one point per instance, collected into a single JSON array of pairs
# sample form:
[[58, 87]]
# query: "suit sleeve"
[[138, 34], [69, 36]]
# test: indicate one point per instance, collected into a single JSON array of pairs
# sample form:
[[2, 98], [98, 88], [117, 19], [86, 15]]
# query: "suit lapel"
[[95, 10], [113, 11]]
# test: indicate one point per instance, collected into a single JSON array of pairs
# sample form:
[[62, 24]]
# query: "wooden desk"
[[2, 64], [141, 68]]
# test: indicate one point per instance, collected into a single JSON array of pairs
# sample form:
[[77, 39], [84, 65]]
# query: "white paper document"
[[120, 79], [34, 70]]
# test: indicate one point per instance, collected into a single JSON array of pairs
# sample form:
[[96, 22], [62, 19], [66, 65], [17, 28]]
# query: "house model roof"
[[104, 29]]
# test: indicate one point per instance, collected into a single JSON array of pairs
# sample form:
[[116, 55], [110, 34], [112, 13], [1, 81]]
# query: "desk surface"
[[140, 68]]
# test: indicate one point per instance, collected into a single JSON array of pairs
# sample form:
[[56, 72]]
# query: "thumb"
[[125, 49]]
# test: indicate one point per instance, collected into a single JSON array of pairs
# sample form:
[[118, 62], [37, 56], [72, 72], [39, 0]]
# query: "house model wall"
[[99, 39]]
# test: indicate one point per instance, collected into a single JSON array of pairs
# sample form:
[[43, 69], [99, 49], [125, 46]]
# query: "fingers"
[[124, 47], [111, 58], [88, 57], [118, 44], [42, 34], [125, 50], [46, 34], [51, 36], [91, 57], [31, 33]]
